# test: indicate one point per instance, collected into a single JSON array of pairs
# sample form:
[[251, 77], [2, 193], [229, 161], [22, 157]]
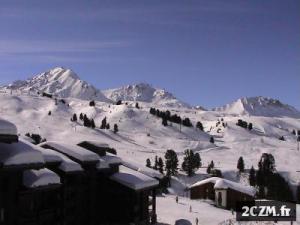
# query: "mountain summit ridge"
[[259, 106]]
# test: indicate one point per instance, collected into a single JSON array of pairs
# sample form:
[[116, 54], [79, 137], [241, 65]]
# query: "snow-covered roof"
[[49, 155], [74, 151], [133, 179], [142, 169], [19, 153], [7, 128], [66, 165], [111, 159], [220, 183], [98, 144], [38, 178]]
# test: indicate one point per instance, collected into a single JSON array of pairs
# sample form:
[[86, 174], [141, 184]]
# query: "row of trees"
[[167, 116], [191, 162], [91, 123], [244, 124], [270, 184]]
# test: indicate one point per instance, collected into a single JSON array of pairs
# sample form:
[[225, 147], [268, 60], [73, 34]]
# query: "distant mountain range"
[[65, 83]]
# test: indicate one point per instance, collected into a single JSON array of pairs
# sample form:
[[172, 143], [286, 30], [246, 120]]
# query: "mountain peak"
[[61, 82], [259, 106], [144, 92]]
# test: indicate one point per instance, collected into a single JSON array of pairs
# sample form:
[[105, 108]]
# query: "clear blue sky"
[[206, 52]]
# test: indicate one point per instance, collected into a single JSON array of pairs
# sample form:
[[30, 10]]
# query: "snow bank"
[[220, 183], [19, 153], [133, 179], [38, 178], [74, 151]]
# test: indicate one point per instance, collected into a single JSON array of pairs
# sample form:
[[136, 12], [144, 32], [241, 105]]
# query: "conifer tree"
[[161, 165], [74, 118], [164, 121], [116, 129], [252, 177], [103, 123], [250, 126], [107, 126], [190, 163], [148, 163], [199, 125], [241, 165], [156, 163], [137, 105], [212, 140], [81, 116], [92, 123], [171, 161]]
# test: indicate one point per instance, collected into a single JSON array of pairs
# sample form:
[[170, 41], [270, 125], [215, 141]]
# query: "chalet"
[[130, 195], [89, 162], [15, 158], [39, 198], [74, 203], [224, 193]]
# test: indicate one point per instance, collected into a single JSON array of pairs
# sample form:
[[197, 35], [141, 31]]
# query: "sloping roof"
[[220, 183], [38, 178], [19, 153], [74, 151], [111, 159], [66, 165], [7, 128], [143, 169], [133, 179]]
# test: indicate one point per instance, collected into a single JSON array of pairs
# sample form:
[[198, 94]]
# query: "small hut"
[[224, 192]]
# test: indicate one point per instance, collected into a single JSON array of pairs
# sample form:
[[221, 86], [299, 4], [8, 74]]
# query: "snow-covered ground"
[[141, 135]]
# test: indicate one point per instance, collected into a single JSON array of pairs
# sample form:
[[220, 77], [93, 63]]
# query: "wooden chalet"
[[124, 201], [15, 158], [74, 204], [224, 193], [39, 199]]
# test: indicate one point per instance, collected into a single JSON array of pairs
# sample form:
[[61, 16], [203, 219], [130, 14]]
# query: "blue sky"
[[206, 52]]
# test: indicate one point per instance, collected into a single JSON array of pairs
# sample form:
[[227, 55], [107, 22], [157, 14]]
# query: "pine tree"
[[252, 177], [92, 103], [210, 167], [156, 163], [171, 162], [137, 105], [250, 126], [86, 121], [190, 163], [199, 125], [241, 165], [74, 118], [197, 159], [281, 138], [107, 126], [212, 140], [81, 116], [148, 163], [164, 121], [49, 113], [116, 129], [294, 132], [93, 126], [161, 165], [103, 123]]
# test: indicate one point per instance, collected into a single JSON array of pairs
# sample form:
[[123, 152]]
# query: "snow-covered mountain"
[[259, 106], [145, 93], [61, 82]]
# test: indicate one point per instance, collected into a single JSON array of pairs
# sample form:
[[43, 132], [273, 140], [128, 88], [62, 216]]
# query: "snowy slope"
[[141, 136], [144, 93], [60, 82], [259, 106]]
